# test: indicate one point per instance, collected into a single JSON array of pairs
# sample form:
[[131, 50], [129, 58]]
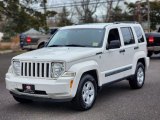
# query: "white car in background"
[[78, 61]]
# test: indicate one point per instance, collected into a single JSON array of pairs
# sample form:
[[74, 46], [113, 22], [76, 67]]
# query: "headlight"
[[16, 67], [57, 69]]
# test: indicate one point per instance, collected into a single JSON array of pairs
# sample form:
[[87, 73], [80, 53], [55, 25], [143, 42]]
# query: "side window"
[[139, 34], [113, 37], [127, 36]]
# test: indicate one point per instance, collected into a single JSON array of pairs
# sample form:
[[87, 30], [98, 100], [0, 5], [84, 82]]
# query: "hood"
[[66, 54]]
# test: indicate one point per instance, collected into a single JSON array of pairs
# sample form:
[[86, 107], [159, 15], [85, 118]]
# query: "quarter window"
[[127, 36], [139, 34]]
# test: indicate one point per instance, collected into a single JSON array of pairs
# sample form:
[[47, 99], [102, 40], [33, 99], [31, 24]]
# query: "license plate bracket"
[[27, 88]]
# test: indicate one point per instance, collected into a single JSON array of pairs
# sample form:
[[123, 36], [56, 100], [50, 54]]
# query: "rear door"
[[139, 34], [130, 47]]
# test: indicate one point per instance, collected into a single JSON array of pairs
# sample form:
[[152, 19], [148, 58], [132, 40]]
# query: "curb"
[[6, 51]]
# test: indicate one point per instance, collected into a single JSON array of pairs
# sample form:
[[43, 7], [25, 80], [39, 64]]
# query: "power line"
[[71, 4]]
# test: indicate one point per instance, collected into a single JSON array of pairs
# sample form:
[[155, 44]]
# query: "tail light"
[[28, 39], [151, 39]]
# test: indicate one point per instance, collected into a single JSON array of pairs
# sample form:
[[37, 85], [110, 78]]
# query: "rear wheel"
[[137, 80], [22, 100], [156, 52], [86, 93], [41, 45]]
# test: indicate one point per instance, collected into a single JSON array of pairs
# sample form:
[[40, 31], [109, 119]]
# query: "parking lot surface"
[[114, 102]]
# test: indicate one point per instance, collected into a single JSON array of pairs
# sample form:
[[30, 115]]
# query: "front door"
[[112, 59]]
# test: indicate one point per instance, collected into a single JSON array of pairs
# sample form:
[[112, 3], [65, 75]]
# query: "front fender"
[[81, 68]]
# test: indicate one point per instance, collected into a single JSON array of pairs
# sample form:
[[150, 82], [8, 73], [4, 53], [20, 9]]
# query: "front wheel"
[[137, 80], [86, 93]]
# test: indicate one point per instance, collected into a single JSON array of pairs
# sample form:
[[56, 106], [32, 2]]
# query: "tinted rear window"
[[127, 36], [139, 34]]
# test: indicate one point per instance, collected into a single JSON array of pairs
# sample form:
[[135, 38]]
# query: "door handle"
[[136, 47], [122, 51]]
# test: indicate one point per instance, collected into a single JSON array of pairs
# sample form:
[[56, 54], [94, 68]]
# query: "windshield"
[[78, 38]]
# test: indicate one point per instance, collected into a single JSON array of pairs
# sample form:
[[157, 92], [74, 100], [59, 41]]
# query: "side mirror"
[[114, 44]]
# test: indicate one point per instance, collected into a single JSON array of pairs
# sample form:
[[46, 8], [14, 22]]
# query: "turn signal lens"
[[71, 83]]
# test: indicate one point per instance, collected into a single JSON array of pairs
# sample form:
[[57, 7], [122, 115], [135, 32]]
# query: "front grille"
[[35, 69]]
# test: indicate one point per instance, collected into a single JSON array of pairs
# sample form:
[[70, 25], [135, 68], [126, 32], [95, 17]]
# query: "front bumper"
[[53, 89]]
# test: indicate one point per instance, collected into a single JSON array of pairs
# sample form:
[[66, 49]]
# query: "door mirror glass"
[[114, 44]]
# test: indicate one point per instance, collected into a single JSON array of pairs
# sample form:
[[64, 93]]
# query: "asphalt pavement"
[[114, 102]]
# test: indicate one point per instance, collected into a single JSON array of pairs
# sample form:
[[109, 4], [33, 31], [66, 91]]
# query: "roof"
[[32, 31], [96, 25], [91, 25]]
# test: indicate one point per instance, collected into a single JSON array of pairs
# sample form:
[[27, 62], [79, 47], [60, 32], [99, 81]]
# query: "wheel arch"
[[140, 57], [88, 67], [93, 73], [41, 43]]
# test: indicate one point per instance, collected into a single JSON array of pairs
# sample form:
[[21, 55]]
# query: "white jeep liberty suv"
[[77, 61]]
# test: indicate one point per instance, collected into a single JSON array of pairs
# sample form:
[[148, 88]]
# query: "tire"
[[156, 52], [41, 45], [22, 100], [150, 54], [86, 93], [137, 80]]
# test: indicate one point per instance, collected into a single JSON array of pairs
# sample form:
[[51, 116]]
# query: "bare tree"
[[109, 10], [111, 5], [86, 10]]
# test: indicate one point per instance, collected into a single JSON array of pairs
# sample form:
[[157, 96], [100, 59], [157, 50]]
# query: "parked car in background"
[[33, 39], [153, 43]]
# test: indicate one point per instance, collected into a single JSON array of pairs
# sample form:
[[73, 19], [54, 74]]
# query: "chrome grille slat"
[[49, 70], [27, 69], [45, 69], [34, 69], [40, 70], [31, 69]]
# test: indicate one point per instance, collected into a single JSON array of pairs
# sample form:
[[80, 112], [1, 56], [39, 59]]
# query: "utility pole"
[[45, 13], [108, 17], [138, 12], [148, 15]]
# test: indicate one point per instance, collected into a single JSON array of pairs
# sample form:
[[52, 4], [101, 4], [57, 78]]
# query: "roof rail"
[[119, 22]]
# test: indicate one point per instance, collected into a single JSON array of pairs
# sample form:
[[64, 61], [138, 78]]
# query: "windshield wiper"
[[74, 45], [70, 45], [55, 45]]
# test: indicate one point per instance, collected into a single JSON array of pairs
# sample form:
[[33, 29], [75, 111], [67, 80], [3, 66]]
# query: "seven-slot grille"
[[36, 69]]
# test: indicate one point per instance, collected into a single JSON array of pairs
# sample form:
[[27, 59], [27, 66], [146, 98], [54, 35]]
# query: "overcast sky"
[[100, 11], [52, 2]]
